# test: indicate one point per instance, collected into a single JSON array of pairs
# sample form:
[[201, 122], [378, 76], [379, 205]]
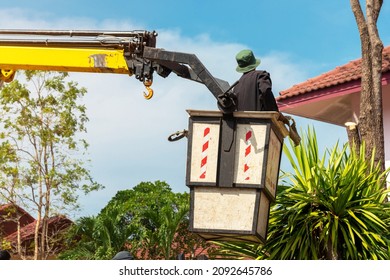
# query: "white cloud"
[[284, 72], [128, 134]]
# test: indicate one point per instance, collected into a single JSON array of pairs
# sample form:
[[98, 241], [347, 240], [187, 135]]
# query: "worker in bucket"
[[254, 88]]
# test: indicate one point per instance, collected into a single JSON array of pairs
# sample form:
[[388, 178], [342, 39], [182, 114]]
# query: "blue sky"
[[295, 40]]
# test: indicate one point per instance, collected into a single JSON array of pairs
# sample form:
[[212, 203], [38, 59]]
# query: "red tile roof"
[[340, 75], [12, 208], [9, 214], [55, 223]]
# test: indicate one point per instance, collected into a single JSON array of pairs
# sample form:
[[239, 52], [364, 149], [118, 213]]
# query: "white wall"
[[386, 122], [386, 126]]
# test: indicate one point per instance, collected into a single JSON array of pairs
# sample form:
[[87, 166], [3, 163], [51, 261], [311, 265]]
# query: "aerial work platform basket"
[[232, 171]]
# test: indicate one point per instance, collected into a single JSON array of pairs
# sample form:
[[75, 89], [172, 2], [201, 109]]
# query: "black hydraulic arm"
[[188, 66]]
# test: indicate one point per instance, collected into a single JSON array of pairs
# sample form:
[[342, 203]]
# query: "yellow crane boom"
[[71, 51], [120, 52], [63, 59]]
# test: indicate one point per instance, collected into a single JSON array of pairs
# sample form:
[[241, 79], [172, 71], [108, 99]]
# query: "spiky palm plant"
[[330, 207]]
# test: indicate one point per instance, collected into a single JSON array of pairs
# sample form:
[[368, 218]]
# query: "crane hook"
[[147, 84]]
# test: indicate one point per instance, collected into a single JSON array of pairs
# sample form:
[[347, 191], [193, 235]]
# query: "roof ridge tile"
[[340, 74]]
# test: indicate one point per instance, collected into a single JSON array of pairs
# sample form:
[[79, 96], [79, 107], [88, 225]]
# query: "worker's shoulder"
[[262, 72], [257, 73]]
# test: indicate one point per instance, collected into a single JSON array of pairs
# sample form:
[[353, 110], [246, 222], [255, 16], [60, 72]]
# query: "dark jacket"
[[254, 92]]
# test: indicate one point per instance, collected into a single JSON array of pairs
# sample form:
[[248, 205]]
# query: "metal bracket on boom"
[[188, 66]]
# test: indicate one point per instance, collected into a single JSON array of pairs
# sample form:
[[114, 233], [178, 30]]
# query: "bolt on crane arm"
[[121, 52]]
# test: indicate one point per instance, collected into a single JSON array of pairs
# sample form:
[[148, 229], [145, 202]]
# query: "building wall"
[[386, 123], [386, 126]]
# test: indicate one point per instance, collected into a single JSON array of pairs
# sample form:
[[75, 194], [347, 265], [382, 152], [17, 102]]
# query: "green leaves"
[[330, 207], [150, 220], [338, 199]]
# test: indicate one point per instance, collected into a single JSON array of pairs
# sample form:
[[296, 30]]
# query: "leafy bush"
[[329, 207]]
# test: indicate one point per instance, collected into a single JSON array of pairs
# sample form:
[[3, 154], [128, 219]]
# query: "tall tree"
[[371, 112], [41, 121]]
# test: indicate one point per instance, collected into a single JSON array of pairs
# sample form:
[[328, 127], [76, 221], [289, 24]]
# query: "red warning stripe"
[[205, 146], [248, 149]]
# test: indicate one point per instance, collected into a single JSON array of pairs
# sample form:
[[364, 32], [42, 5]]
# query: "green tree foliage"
[[41, 154], [331, 207], [149, 220], [92, 238]]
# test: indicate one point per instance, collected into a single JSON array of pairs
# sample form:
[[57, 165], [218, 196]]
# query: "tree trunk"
[[353, 137], [331, 254], [371, 111], [36, 237], [19, 241], [45, 229], [37, 233], [373, 9]]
